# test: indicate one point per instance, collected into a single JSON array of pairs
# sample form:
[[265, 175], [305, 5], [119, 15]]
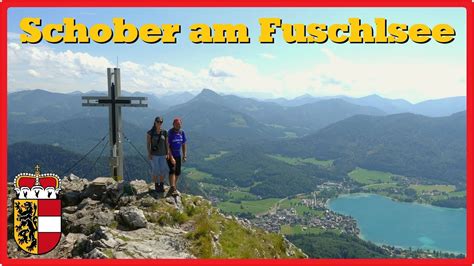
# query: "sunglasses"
[[159, 122]]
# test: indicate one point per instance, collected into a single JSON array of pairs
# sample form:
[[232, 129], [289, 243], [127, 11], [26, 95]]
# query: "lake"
[[384, 221]]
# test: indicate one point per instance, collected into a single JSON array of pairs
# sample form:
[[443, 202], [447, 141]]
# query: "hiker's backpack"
[[156, 138]]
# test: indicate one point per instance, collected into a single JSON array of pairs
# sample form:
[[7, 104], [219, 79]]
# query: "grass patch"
[[214, 189], [290, 135], [201, 236], [163, 214], [301, 161], [113, 224], [233, 240], [237, 195], [380, 186], [275, 126], [124, 238], [109, 253], [288, 203], [458, 194], [239, 242], [367, 177], [238, 121], [432, 188], [254, 206], [214, 156], [197, 175], [301, 210], [247, 189]]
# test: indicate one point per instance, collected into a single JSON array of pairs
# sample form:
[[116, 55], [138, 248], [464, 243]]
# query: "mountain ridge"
[[108, 219], [410, 144]]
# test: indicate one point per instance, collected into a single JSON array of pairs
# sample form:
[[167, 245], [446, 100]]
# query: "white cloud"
[[228, 66], [228, 74], [34, 73], [13, 36], [157, 77], [410, 79], [40, 67]]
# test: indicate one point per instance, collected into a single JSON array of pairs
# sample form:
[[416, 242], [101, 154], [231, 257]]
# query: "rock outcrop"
[[107, 219]]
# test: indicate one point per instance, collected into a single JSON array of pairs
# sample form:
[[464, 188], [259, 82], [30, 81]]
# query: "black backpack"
[[155, 138]]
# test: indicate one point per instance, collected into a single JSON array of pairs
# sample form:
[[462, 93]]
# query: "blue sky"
[[411, 71]]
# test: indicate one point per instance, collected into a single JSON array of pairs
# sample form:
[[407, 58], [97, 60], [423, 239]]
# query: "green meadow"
[[431, 188], [214, 156], [254, 206], [197, 175], [238, 195], [301, 161], [367, 177]]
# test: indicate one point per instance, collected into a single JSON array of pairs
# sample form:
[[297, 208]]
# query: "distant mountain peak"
[[206, 91], [375, 96], [207, 94], [304, 96], [34, 91]]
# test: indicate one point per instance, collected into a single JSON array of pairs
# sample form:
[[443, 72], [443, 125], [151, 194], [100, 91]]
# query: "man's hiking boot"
[[160, 188], [175, 193], [172, 192]]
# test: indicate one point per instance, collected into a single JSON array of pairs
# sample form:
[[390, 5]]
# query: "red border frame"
[[5, 4]]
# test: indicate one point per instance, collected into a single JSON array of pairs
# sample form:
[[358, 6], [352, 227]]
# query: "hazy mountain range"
[[234, 115], [438, 107], [352, 132]]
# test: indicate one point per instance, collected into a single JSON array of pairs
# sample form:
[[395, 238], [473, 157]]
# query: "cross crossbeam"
[[114, 101]]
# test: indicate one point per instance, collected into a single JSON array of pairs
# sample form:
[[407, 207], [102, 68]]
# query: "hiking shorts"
[[159, 167], [175, 169]]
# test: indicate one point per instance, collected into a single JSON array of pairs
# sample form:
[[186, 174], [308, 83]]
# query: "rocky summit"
[[108, 219]]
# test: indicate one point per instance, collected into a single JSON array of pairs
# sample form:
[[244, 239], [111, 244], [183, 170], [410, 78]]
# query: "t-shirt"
[[176, 139], [158, 142]]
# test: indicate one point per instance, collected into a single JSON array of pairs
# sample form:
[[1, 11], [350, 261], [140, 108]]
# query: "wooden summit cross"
[[115, 102]]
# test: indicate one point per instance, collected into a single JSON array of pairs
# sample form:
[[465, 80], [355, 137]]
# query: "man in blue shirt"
[[177, 142]]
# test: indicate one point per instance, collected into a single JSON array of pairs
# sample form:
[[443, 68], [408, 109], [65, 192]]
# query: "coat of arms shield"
[[37, 212]]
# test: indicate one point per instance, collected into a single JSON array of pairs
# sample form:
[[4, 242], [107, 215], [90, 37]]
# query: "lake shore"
[[379, 239]]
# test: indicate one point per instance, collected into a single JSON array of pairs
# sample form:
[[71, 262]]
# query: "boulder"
[[98, 187], [139, 187], [96, 254], [126, 200], [132, 217], [70, 209], [71, 198], [87, 221], [103, 238], [147, 201], [68, 243], [71, 177], [73, 184], [88, 203]]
